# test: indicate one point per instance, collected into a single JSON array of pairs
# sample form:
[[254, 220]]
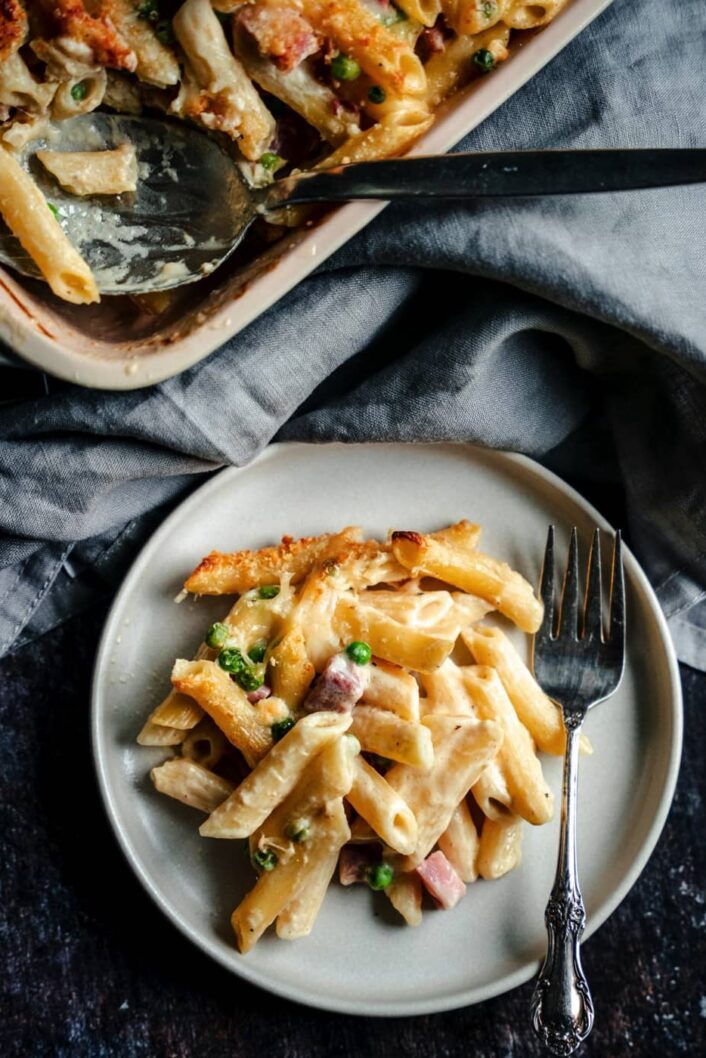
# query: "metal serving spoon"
[[192, 206]]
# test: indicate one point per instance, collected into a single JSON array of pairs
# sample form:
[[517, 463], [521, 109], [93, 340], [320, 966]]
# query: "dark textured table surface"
[[91, 969]]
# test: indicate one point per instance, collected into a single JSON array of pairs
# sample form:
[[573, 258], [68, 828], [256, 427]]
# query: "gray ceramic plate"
[[359, 958]]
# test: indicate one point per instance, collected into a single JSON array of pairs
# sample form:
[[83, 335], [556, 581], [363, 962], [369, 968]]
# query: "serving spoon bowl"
[[193, 205]]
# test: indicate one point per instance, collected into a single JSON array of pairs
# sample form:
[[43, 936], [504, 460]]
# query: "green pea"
[[376, 94], [78, 91], [280, 727], [164, 31], [148, 10], [297, 830], [217, 635], [268, 591], [379, 876], [249, 678], [484, 60], [265, 859], [359, 652], [231, 660], [271, 162], [257, 652], [54, 210], [344, 68]]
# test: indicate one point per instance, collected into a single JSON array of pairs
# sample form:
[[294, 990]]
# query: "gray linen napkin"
[[571, 329]]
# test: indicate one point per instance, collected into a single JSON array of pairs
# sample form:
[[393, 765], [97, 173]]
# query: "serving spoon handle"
[[493, 174]]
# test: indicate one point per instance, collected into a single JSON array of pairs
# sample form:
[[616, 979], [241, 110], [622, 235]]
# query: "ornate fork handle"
[[562, 1008]]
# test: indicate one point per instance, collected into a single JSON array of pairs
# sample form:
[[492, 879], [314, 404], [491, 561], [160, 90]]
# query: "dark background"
[[91, 969]]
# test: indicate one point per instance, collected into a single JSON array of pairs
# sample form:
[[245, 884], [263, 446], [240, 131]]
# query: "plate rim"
[[402, 1008]]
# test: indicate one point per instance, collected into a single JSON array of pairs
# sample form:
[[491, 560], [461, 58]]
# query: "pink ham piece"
[[280, 33], [259, 695], [355, 861], [441, 881], [341, 684]]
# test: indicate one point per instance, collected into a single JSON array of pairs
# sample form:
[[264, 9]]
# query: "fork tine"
[[617, 594], [569, 618], [546, 588], [592, 625]]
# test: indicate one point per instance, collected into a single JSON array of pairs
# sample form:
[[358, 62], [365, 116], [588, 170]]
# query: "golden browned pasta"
[[239, 571], [475, 573], [226, 704]]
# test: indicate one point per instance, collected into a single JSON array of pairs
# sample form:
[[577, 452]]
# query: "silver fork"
[[577, 666]]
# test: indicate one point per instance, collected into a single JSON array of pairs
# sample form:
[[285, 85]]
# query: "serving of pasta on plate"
[[294, 84], [360, 710]]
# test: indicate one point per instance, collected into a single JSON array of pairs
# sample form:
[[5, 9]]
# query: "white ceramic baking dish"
[[115, 345]]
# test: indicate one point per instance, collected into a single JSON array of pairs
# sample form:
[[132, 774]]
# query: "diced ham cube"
[[431, 42], [281, 33], [355, 861], [341, 684], [441, 881]]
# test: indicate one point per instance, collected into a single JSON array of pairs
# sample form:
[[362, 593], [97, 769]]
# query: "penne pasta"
[[391, 687], [490, 646], [382, 807], [274, 778], [490, 792], [160, 735], [389, 639], [526, 14], [500, 847], [205, 744], [462, 749], [452, 69], [460, 843], [387, 59], [27, 214], [405, 895], [531, 798], [191, 783], [328, 777], [297, 917], [384, 733], [226, 704], [504, 588], [93, 172], [291, 671], [273, 890]]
